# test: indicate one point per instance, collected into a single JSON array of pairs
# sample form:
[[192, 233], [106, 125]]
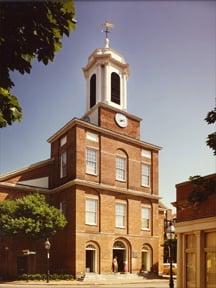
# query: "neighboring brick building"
[[196, 233], [105, 180]]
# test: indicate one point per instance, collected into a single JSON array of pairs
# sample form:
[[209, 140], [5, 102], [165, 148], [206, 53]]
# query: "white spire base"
[[106, 43]]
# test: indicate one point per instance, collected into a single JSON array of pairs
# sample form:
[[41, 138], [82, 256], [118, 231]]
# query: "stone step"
[[112, 276]]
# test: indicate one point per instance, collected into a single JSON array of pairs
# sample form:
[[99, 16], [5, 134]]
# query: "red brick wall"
[[107, 120], [206, 208]]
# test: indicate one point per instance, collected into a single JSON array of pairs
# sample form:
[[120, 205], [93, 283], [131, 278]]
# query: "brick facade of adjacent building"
[[196, 232]]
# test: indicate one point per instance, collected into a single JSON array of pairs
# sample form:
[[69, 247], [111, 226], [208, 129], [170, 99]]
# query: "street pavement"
[[142, 283]]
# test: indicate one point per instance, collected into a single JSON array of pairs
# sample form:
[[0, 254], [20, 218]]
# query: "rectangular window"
[[63, 141], [91, 212], [146, 218], [146, 175], [120, 212], [62, 207], [63, 164], [92, 136], [146, 153], [91, 161], [120, 168]]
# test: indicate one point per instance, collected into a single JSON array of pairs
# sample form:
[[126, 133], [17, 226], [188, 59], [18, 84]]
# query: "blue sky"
[[171, 49]]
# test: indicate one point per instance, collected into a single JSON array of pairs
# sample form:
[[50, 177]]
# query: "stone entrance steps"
[[111, 276]]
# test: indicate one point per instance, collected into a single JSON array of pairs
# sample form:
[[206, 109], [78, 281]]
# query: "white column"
[[98, 84], [106, 83], [180, 256], [87, 94], [124, 106]]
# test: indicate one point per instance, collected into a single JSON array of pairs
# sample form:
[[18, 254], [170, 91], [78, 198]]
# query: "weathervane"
[[107, 26]]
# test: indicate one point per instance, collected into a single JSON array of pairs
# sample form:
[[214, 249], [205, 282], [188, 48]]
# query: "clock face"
[[121, 120]]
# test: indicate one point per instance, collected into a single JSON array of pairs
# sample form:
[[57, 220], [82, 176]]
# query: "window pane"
[[210, 269], [120, 215], [91, 161], [120, 168], [146, 174], [146, 153], [145, 215], [63, 141], [91, 211], [63, 164]]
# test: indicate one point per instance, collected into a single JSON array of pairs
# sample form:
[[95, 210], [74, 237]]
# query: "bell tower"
[[106, 75]]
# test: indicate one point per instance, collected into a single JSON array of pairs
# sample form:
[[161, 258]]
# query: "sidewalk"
[[86, 282]]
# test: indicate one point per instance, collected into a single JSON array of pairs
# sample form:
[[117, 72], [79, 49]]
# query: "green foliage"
[[29, 30], [30, 216], [202, 188], [44, 276], [211, 139]]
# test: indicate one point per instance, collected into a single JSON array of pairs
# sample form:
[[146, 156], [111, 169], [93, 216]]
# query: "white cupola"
[[106, 76]]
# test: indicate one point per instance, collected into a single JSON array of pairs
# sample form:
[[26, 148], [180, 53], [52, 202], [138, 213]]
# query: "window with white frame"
[[63, 141], [120, 168], [63, 164], [146, 153], [146, 218], [92, 136], [63, 207], [91, 211], [91, 161], [120, 213], [146, 175]]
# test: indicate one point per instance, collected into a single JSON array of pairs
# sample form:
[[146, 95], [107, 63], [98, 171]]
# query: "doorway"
[[91, 263], [119, 251], [146, 258]]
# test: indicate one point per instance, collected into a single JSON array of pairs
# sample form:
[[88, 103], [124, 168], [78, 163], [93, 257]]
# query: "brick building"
[[105, 180], [196, 234]]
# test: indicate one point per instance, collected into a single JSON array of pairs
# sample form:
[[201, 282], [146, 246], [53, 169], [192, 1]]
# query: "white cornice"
[[91, 126], [81, 183], [195, 225], [104, 187]]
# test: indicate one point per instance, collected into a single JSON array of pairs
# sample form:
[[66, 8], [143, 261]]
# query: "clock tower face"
[[121, 120]]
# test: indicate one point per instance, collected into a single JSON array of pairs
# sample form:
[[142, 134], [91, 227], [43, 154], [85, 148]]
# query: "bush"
[[42, 277]]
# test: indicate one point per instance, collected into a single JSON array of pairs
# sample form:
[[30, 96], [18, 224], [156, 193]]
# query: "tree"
[[211, 140], [29, 30], [30, 216]]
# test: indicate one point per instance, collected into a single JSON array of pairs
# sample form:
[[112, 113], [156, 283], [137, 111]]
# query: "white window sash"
[[120, 168], [145, 218], [91, 212], [91, 161], [120, 215], [63, 164], [146, 175]]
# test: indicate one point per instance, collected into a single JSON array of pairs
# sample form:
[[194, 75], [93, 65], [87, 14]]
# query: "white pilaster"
[[98, 84], [124, 91]]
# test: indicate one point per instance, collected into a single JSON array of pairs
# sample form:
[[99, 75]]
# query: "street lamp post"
[[170, 234], [47, 247]]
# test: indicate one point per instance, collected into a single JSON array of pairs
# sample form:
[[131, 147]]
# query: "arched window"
[[115, 88], [93, 90]]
